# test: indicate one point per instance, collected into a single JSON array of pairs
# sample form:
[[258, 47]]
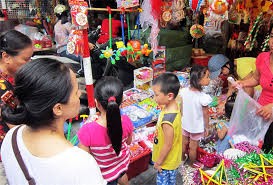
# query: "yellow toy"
[[216, 178], [145, 50]]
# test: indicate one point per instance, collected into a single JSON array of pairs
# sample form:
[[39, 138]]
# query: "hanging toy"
[[219, 7], [145, 50], [195, 5], [107, 53], [111, 54], [197, 31], [121, 48], [79, 11]]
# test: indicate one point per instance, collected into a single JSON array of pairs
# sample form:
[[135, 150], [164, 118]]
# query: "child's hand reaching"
[[157, 167]]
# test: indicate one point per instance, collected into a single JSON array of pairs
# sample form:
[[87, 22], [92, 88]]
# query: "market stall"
[[231, 153]]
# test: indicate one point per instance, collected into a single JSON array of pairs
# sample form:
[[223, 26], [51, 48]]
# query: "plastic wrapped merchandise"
[[245, 124]]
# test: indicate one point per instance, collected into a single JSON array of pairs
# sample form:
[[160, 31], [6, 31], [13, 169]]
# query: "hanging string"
[[110, 26], [128, 24], [122, 26]]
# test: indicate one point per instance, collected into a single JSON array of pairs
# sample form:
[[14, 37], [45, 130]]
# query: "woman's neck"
[[47, 141], [54, 128]]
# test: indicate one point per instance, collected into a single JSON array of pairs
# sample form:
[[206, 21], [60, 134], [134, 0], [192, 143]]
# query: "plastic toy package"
[[245, 124], [79, 12], [136, 94], [184, 79], [137, 115], [150, 106], [75, 43]]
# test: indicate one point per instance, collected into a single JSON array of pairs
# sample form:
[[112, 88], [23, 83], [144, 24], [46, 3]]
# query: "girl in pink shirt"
[[108, 137]]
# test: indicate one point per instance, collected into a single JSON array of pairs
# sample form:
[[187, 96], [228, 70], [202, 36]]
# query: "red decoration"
[[156, 8], [194, 4]]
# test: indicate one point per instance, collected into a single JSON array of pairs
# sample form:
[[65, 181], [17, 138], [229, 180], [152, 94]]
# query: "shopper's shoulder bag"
[[19, 158]]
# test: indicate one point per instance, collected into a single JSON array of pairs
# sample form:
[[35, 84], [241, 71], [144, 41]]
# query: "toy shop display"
[[139, 162], [159, 61], [145, 134], [138, 116], [143, 77], [41, 41], [184, 78], [151, 106], [135, 149], [136, 94]]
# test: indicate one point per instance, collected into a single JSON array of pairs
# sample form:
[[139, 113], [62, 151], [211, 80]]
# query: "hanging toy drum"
[[197, 31]]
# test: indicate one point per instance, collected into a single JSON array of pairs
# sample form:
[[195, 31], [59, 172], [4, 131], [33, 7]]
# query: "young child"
[[195, 118], [167, 148], [108, 137]]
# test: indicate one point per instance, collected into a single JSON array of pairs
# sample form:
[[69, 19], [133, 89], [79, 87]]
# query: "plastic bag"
[[245, 124]]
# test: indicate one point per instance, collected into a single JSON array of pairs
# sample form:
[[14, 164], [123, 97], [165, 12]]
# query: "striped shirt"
[[96, 138]]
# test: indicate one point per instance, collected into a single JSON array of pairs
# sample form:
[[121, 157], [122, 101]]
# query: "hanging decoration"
[[127, 3], [265, 43], [195, 5], [166, 15], [133, 51], [75, 45], [146, 20], [178, 11], [251, 38], [219, 7], [197, 31], [156, 8], [79, 13]]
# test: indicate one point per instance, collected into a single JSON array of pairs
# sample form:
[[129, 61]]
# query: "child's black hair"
[[168, 82], [108, 92], [196, 74], [229, 105]]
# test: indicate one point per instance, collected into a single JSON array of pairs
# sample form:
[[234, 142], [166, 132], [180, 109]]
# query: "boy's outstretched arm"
[[168, 143]]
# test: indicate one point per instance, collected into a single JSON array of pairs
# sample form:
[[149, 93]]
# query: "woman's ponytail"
[[114, 125], [15, 116]]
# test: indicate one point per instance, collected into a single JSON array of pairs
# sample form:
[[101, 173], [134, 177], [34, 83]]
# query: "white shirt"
[[70, 167], [193, 101]]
